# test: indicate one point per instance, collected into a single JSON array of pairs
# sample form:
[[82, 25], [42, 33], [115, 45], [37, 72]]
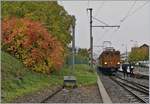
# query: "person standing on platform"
[[124, 67], [131, 70]]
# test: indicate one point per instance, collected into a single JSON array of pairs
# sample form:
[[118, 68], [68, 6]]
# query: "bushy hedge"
[[29, 41]]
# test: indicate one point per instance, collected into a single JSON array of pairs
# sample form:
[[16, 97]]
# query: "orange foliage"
[[31, 42]]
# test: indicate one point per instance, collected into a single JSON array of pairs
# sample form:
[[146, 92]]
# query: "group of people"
[[125, 68]]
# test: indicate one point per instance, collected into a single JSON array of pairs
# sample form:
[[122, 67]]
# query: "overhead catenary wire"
[[100, 21], [103, 35], [128, 13], [136, 10], [140, 7], [99, 8], [106, 24], [125, 17], [132, 13]]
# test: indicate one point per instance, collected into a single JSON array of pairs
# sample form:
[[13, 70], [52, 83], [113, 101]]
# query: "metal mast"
[[91, 38]]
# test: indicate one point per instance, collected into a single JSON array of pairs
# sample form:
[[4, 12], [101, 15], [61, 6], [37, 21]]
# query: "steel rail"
[[145, 88], [51, 95], [139, 98], [134, 87], [136, 83]]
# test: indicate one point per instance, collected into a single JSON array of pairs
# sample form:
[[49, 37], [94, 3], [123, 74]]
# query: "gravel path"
[[88, 94], [116, 93]]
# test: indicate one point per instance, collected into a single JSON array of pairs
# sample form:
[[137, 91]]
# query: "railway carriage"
[[109, 61]]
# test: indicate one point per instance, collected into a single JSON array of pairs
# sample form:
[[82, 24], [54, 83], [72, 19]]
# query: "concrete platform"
[[138, 72], [103, 92]]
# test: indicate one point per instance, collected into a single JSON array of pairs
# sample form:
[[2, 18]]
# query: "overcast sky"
[[136, 25]]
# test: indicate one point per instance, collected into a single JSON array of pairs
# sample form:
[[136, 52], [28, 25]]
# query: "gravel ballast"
[[86, 94], [116, 92], [137, 80], [36, 97]]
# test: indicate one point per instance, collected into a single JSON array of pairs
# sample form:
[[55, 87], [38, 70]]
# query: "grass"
[[84, 75], [17, 80]]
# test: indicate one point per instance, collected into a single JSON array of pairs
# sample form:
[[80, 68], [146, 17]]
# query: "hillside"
[[18, 80]]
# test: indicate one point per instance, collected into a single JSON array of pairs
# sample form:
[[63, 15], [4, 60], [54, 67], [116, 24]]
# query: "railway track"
[[135, 83], [138, 76], [140, 81], [74, 95], [141, 93], [51, 95]]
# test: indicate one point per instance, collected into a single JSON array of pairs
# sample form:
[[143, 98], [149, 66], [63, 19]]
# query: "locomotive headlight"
[[105, 63], [118, 62]]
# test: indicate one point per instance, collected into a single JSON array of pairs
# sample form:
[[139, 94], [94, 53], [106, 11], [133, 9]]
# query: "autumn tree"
[[53, 16], [30, 42]]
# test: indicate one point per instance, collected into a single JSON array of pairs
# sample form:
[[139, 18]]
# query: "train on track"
[[109, 61]]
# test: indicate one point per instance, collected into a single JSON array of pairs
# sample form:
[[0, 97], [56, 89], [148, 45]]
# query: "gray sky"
[[135, 27]]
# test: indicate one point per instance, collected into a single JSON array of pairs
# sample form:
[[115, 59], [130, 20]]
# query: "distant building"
[[144, 45], [144, 49]]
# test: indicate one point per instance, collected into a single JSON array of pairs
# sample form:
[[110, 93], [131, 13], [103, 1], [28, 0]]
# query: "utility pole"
[[71, 79], [91, 38], [126, 53], [73, 45]]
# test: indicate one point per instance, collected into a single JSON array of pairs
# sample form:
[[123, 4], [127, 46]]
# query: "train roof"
[[109, 51]]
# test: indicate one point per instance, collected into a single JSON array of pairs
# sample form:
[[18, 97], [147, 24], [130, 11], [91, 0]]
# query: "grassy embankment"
[[18, 80]]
